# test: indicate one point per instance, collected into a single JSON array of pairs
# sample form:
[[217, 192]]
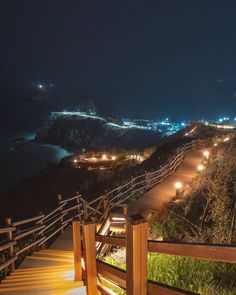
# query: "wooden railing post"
[[85, 209], [59, 198], [77, 249], [90, 258], [125, 209], [136, 255], [106, 207], [8, 222]]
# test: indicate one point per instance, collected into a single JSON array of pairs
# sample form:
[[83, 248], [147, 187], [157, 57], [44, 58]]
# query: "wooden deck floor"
[[46, 272]]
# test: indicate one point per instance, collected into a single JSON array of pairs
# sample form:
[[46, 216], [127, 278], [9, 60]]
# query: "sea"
[[21, 157]]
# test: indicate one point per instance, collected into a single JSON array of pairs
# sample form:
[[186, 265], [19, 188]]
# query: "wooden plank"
[[136, 256], [29, 220], [118, 276], [70, 199], [29, 246], [106, 207], [7, 229], [10, 239], [29, 232], [113, 273], [7, 245], [116, 241], [77, 249], [7, 263], [105, 290], [90, 258], [162, 289], [223, 253]]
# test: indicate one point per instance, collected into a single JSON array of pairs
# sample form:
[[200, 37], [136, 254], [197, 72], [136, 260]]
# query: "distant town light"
[[178, 185], [226, 139], [113, 158], [200, 167], [75, 160], [215, 144], [93, 159], [104, 157]]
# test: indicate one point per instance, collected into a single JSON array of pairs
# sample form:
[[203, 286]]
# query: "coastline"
[[20, 160]]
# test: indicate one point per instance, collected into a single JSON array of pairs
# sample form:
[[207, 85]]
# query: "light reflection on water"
[[24, 159]]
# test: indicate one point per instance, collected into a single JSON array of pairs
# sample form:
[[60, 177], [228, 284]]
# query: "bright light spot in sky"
[[40, 86]]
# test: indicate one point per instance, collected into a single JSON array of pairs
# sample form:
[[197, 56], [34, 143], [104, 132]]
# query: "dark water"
[[23, 159]]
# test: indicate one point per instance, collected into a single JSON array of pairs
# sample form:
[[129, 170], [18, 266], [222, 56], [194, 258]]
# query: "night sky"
[[142, 59]]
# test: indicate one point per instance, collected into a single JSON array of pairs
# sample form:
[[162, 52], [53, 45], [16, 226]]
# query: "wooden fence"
[[134, 280], [20, 238]]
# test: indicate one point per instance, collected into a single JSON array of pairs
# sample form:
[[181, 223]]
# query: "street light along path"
[[155, 199]]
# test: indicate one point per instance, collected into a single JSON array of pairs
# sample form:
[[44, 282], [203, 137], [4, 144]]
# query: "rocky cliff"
[[73, 132]]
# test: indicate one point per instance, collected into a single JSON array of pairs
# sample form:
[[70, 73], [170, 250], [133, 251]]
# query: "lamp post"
[[206, 155], [200, 167], [178, 186]]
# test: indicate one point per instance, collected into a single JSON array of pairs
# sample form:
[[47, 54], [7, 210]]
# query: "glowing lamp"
[[200, 167], [178, 185], [113, 158], [206, 154], [75, 161]]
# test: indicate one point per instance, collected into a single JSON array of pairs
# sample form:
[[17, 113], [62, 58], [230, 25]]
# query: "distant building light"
[[75, 160], [113, 158], [104, 157]]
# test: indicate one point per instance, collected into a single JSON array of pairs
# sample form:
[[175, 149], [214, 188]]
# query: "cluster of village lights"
[[104, 157]]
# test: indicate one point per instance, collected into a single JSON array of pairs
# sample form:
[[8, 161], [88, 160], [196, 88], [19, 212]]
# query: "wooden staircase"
[[49, 271]]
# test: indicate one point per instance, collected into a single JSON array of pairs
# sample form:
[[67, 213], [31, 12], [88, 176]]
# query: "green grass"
[[194, 275]]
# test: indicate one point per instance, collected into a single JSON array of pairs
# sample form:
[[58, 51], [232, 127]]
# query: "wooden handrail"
[[29, 246], [70, 199], [27, 233], [29, 220], [115, 241], [7, 229], [52, 212], [8, 263], [117, 275], [223, 253], [7, 245]]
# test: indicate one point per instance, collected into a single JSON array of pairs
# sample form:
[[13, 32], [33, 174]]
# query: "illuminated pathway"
[[47, 272], [164, 192]]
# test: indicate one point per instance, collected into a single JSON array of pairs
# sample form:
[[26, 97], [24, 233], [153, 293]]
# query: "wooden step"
[[40, 286], [69, 260], [64, 274], [42, 268]]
